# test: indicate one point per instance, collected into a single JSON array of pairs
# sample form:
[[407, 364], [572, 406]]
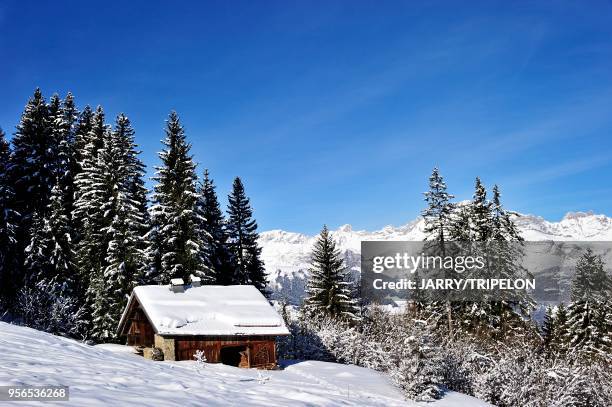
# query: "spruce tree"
[[588, 311], [242, 231], [32, 164], [49, 254], [438, 217], [63, 133], [328, 292], [560, 325], [590, 281], [548, 327], [82, 127], [502, 226], [175, 241], [124, 261], [217, 256], [439, 211], [79, 157], [461, 228], [92, 195], [481, 213], [8, 228], [504, 250]]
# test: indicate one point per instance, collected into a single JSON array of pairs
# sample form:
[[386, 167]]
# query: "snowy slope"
[[109, 375], [286, 254]]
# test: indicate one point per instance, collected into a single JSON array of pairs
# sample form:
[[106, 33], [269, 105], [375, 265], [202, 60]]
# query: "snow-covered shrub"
[[200, 359], [303, 343], [47, 307], [524, 377], [414, 361], [420, 371], [424, 362], [262, 378], [460, 362]]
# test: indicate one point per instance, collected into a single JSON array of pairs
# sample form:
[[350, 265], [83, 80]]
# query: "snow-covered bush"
[[414, 362], [200, 359], [47, 307], [524, 377], [420, 370], [424, 362]]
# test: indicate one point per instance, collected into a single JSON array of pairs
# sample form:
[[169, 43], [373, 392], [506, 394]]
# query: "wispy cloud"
[[559, 171]]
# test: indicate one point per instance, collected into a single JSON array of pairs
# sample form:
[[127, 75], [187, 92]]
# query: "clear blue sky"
[[335, 112]]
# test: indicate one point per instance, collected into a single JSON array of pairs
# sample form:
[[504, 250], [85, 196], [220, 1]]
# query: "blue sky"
[[336, 112]]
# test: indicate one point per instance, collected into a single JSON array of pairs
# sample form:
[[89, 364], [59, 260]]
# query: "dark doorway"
[[231, 355]]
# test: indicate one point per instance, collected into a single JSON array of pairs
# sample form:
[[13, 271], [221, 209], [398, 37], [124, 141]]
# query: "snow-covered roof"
[[207, 310]]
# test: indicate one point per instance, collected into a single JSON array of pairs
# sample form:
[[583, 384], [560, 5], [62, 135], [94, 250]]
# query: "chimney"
[[177, 285], [195, 281]]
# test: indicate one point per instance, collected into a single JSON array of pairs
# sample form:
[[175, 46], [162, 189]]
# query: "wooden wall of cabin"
[[140, 332], [258, 351]]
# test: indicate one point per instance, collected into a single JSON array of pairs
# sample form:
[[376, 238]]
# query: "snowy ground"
[[112, 375]]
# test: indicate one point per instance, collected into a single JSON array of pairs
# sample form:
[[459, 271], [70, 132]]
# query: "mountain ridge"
[[287, 254]]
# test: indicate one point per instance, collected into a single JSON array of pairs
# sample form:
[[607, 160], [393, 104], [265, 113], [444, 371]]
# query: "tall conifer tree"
[[49, 254], [176, 245], [328, 292], [438, 229], [124, 260], [439, 211], [588, 312], [89, 216], [481, 213], [217, 256], [8, 229], [32, 165], [242, 230]]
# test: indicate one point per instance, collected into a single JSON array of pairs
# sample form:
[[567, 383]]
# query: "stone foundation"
[[167, 347]]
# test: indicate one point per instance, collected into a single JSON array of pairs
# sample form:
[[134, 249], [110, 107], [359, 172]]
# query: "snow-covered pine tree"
[[217, 256], [439, 211], [243, 236], [82, 128], [137, 192], [420, 370], [461, 225], [30, 172], [590, 281], [124, 261], [560, 328], [504, 253], [548, 328], [8, 228], [92, 195], [91, 131], [63, 133], [587, 312], [502, 225], [47, 300], [328, 292], [31, 166], [438, 217], [175, 243], [481, 213], [49, 254]]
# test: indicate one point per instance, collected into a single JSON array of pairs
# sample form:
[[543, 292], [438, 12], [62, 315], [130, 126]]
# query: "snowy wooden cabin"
[[234, 325]]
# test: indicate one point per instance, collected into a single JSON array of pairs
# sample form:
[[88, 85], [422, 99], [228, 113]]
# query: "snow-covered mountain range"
[[287, 254]]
